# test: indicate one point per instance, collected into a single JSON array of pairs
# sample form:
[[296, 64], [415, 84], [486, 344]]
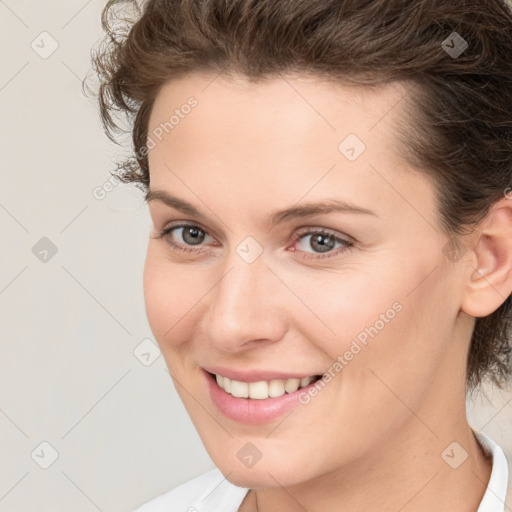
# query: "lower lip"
[[252, 411]]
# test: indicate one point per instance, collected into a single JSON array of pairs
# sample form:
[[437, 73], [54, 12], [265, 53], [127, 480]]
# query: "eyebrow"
[[278, 217]]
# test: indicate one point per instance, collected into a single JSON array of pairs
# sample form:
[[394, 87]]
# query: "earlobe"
[[489, 280]]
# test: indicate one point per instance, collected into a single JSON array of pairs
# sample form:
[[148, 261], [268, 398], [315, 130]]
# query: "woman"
[[330, 265]]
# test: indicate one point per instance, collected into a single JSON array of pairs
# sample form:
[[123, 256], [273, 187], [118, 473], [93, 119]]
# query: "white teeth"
[[306, 381], [262, 389], [239, 389], [258, 390], [276, 388], [292, 385]]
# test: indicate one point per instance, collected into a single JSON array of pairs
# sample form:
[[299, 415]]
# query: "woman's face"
[[364, 293]]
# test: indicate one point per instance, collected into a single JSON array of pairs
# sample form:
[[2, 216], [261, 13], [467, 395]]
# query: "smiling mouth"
[[264, 389]]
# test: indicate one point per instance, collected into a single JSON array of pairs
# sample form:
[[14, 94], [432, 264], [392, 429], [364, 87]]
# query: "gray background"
[[80, 372]]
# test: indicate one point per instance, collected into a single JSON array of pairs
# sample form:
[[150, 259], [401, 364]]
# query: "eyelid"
[[301, 230], [297, 234], [318, 229], [183, 223]]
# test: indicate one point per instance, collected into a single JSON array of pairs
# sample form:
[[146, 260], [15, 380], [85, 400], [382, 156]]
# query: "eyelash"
[[297, 236]]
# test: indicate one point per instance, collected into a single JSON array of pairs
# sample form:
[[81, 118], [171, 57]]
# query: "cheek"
[[403, 357], [349, 307], [380, 320], [170, 295]]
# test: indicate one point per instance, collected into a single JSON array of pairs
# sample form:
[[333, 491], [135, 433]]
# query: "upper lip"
[[255, 375]]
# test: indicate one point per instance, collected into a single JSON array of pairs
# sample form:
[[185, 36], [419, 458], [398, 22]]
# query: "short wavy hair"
[[460, 126]]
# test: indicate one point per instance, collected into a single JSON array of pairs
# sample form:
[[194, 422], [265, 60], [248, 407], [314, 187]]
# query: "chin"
[[271, 474], [256, 479]]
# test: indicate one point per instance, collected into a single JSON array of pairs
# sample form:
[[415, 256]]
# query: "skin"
[[372, 439]]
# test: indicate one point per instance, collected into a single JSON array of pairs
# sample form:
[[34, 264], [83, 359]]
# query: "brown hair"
[[459, 128]]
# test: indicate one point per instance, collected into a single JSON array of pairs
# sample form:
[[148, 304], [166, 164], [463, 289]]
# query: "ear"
[[489, 280]]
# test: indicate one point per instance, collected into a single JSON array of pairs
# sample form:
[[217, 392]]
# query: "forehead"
[[295, 135], [283, 118], [286, 101]]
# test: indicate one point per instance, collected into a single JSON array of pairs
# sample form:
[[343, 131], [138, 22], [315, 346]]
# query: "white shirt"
[[211, 492]]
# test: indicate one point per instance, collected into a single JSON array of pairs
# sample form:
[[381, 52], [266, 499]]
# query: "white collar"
[[496, 492]]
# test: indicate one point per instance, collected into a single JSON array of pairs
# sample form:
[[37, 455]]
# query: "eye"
[[191, 234], [320, 240], [323, 241]]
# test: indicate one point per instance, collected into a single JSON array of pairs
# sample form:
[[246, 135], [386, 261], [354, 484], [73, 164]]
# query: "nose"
[[246, 308]]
